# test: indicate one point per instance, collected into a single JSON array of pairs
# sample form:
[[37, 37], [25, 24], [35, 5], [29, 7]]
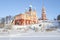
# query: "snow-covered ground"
[[32, 36], [31, 32]]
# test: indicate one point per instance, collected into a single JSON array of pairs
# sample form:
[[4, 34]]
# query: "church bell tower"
[[43, 11]]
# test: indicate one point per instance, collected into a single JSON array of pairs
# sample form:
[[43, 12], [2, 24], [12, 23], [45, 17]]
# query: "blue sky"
[[14, 7]]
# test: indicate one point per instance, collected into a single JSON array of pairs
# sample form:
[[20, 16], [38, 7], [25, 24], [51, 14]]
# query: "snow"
[[31, 32], [33, 36], [30, 35]]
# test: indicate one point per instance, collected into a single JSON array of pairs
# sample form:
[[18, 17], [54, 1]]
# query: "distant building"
[[8, 19], [27, 18], [58, 18], [2, 22]]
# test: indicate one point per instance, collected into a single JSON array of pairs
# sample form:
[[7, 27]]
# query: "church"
[[27, 18]]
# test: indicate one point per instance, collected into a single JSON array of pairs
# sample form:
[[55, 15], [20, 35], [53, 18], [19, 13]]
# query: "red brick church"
[[29, 17], [26, 18]]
